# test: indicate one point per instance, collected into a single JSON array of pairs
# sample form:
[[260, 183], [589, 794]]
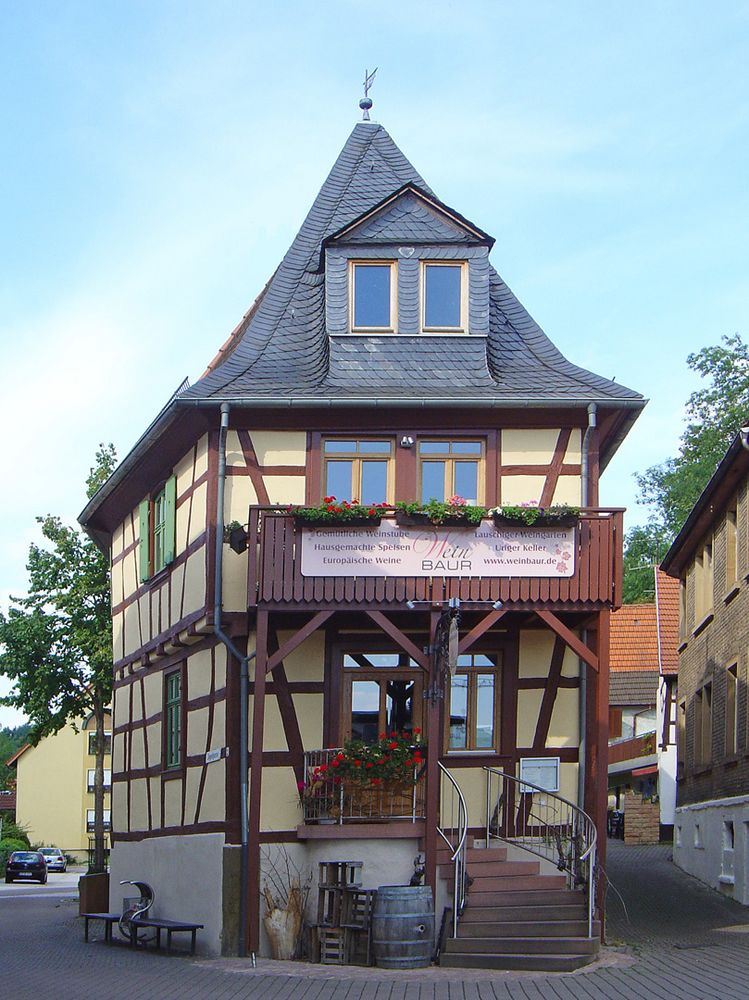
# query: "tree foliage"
[[714, 415], [10, 741], [56, 641], [644, 547]]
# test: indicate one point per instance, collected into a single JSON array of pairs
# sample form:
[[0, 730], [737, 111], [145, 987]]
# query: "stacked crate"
[[344, 912]]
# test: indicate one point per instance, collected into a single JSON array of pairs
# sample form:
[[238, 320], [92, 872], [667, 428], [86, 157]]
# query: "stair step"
[[521, 946], [494, 869], [523, 897], [559, 913], [526, 928], [474, 854], [502, 883], [509, 962]]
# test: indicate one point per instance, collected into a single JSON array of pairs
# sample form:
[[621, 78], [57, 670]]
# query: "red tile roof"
[[8, 800], [667, 603], [646, 636], [634, 638]]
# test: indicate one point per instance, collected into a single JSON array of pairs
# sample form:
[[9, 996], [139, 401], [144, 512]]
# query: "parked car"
[[55, 859], [26, 866]]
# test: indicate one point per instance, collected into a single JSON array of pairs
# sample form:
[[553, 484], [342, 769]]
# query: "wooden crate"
[[337, 874], [335, 945]]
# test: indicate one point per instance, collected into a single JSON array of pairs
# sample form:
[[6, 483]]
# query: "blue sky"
[[157, 159]]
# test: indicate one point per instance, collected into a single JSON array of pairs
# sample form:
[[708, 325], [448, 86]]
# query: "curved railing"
[[453, 828], [545, 824]]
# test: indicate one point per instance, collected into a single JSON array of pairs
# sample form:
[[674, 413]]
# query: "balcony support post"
[[432, 701], [256, 772]]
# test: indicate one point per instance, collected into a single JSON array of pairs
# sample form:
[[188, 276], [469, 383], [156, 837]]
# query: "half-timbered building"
[[385, 360]]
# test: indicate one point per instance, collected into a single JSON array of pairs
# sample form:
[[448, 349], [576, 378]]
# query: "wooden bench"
[[170, 926], [108, 918]]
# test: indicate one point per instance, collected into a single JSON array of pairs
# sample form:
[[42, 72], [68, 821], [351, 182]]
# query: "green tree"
[[10, 741], [714, 415], [56, 642], [644, 547]]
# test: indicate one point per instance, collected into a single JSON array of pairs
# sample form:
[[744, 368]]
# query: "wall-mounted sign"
[[542, 771], [390, 550]]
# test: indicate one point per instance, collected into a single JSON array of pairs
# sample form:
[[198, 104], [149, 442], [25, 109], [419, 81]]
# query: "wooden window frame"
[[393, 265], [732, 547], [703, 726], [158, 538], [450, 461], [463, 327], [357, 458], [731, 713], [681, 736], [350, 674], [472, 672], [174, 766]]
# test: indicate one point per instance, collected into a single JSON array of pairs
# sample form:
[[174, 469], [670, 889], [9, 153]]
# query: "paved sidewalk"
[[681, 942]]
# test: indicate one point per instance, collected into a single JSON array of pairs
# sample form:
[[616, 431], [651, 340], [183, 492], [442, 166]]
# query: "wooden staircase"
[[517, 918]]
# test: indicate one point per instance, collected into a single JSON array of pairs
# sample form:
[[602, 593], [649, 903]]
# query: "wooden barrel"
[[403, 926]]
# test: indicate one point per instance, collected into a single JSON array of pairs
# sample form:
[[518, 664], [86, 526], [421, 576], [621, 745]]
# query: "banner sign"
[[483, 550]]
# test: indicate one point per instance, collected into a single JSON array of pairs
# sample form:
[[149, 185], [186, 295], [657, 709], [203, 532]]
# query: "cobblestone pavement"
[[679, 940]]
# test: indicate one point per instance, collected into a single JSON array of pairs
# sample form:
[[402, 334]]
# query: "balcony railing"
[[275, 576], [355, 802]]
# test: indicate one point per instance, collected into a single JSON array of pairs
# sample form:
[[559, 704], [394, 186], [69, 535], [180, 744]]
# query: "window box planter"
[[348, 522], [421, 519], [531, 516]]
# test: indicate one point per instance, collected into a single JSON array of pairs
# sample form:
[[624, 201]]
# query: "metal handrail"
[[550, 827], [458, 815]]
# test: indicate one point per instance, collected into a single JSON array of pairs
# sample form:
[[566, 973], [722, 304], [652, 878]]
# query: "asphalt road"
[[676, 940], [58, 884]]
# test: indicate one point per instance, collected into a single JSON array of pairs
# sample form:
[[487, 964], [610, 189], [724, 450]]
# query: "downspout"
[[244, 686], [583, 688]]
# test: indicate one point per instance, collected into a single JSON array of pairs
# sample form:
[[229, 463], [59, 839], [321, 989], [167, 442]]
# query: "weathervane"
[[366, 102]]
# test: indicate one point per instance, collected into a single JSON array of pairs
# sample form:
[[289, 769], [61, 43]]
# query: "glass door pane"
[[365, 710], [459, 712]]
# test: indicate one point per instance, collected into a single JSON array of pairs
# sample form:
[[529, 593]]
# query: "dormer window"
[[373, 302], [443, 296]]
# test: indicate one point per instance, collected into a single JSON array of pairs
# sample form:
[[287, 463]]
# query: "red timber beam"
[[297, 639], [401, 639], [256, 772], [573, 641], [598, 741], [478, 630], [434, 742]]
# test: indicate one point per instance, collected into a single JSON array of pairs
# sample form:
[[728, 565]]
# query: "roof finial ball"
[[366, 102]]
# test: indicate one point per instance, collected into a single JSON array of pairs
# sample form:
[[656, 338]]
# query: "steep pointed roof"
[[281, 349]]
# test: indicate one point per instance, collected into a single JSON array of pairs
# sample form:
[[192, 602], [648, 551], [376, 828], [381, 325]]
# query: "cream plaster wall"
[[280, 447], [307, 662], [139, 804], [234, 453], [568, 491], [280, 808], [521, 489], [529, 446], [285, 489]]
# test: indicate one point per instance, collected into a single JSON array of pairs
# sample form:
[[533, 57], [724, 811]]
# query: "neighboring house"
[[710, 558], [55, 788], [7, 805], [385, 360], [642, 712]]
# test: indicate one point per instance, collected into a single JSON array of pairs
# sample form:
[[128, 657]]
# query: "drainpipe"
[[583, 689], [244, 686]]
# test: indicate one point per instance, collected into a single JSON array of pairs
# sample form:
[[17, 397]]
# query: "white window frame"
[[463, 326], [90, 819], [91, 774], [393, 265]]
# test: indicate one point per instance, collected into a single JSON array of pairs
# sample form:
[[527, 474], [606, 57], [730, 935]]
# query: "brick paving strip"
[[683, 942]]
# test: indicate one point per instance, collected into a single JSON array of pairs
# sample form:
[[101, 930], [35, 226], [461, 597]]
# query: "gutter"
[[583, 668], [244, 688]]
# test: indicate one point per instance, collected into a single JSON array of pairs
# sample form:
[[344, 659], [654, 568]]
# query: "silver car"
[[55, 859]]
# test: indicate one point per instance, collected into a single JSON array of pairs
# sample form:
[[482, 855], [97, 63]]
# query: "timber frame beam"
[[573, 641]]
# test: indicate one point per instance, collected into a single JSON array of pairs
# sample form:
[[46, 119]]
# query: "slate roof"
[[281, 349], [635, 687]]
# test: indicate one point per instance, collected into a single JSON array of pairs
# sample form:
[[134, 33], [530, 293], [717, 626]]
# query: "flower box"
[[542, 521], [422, 520], [350, 522]]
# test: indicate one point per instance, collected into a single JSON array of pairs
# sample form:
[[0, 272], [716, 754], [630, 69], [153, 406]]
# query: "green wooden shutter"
[[170, 519], [144, 547]]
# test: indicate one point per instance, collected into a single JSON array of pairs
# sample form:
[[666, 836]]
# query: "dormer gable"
[[411, 215]]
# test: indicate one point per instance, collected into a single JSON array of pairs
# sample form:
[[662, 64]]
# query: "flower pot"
[[351, 522], [238, 540]]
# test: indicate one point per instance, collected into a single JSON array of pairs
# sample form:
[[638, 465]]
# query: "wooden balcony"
[[276, 581]]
